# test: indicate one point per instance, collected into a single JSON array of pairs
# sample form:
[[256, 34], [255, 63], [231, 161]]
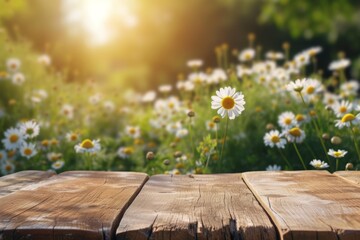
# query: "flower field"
[[255, 110]]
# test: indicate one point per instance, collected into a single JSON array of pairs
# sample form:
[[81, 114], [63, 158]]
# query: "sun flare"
[[100, 19]]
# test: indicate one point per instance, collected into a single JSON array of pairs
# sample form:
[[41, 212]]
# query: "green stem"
[[355, 143], [192, 140], [223, 146], [285, 159], [299, 155], [337, 164]]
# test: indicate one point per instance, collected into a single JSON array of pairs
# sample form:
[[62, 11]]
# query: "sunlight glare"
[[97, 17]]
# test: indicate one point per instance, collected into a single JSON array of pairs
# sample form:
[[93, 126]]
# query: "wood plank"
[[71, 205], [195, 207], [13, 182], [308, 204], [352, 176]]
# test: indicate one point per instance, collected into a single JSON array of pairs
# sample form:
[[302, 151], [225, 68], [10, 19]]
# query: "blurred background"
[[141, 44]]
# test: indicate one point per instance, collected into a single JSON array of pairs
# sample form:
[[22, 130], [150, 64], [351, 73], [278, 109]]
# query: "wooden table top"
[[128, 205]]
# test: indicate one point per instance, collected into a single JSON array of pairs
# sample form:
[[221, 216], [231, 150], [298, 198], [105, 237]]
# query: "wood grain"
[[352, 176], [195, 207], [308, 204], [71, 205], [13, 182]]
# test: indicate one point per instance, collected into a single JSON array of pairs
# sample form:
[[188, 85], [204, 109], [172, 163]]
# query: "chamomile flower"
[[29, 129], [13, 64], [330, 99], [148, 97], [44, 59], [339, 64], [313, 51], [273, 168], [53, 156], [18, 79], [337, 154], [88, 146], [3, 156], [13, 139], [109, 106], [341, 108], [198, 78], [274, 55], [195, 63], [125, 152], [312, 87], [247, 55], [295, 134], [210, 125], [347, 120], [296, 86], [173, 127], [67, 110], [228, 102], [28, 150], [72, 136], [133, 131], [318, 164], [287, 120], [165, 88], [58, 164], [302, 59], [218, 75], [182, 133], [7, 168], [349, 88], [95, 99], [274, 138]]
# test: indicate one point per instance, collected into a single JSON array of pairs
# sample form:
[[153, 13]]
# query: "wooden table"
[[129, 205]]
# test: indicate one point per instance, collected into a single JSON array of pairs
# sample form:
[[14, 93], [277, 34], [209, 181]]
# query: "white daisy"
[[181, 133], [296, 86], [67, 110], [311, 87], [295, 134], [44, 59], [347, 120], [29, 129], [173, 127], [7, 168], [313, 51], [165, 88], [133, 131], [337, 154], [339, 64], [228, 102], [349, 88], [287, 120], [125, 152], [109, 106], [18, 79], [198, 78], [302, 59], [330, 99], [195, 63], [273, 168], [217, 75], [13, 64], [210, 125], [91, 146], [72, 136], [53, 156], [58, 164], [28, 150], [274, 138], [274, 55], [341, 108], [148, 97], [247, 55], [318, 164], [242, 71], [13, 138], [3, 156]]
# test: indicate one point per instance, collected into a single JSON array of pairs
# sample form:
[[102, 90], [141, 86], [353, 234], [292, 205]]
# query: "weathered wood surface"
[[195, 207], [352, 176], [72, 205], [13, 182], [308, 204]]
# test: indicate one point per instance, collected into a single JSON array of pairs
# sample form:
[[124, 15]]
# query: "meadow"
[[255, 110]]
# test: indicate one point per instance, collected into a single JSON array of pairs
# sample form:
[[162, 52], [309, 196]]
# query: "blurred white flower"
[[28, 150], [18, 79], [318, 164], [273, 168], [13, 64], [90, 146], [247, 55], [339, 64]]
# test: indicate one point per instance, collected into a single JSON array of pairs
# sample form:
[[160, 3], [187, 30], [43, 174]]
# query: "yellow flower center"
[[29, 131], [347, 117], [8, 168], [300, 117], [228, 103], [337, 154], [128, 150], [295, 132], [343, 109], [73, 137], [11, 153], [45, 143], [171, 105], [275, 139], [13, 138], [310, 90], [132, 131], [87, 143], [247, 56], [287, 121], [211, 124], [27, 151]]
